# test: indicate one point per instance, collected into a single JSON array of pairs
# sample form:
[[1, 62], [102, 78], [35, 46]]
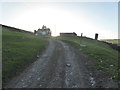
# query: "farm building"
[[44, 31], [68, 34]]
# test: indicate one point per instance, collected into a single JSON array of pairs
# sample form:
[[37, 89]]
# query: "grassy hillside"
[[18, 51], [105, 58], [114, 41]]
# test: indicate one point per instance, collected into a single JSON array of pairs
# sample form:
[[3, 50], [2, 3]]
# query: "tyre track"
[[59, 66]]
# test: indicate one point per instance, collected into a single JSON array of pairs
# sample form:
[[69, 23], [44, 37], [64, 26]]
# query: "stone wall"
[[4, 27], [114, 46]]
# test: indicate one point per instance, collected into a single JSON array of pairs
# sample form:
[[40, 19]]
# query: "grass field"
[[105, 58], [18, 51], [114, 41]]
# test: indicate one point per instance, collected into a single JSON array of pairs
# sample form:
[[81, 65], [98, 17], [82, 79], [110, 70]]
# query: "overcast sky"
[[80, 17]]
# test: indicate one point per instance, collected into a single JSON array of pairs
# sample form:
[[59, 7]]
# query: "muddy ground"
[[61, 66]]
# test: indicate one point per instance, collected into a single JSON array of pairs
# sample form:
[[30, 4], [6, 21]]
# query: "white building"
[[43, 32]]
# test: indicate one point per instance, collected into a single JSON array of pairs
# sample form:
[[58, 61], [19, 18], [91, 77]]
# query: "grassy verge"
[[18, 51], [105, 58]]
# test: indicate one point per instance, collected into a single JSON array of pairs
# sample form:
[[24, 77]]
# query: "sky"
[[80, 17]]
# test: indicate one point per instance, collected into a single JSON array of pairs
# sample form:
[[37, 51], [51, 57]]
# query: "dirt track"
[[61, 66]]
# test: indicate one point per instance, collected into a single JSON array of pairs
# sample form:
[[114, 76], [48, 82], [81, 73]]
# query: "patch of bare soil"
[[61, 66]]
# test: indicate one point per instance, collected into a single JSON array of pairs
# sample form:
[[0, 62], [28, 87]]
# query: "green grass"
[[114, 41], [102, 55], [18, 51]]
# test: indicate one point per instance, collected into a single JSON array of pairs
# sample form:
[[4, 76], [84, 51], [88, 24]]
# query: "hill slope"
[[114, 41], [104, 57], [18, 51]]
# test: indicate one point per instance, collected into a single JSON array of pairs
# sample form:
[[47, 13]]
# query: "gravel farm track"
[[61, 66]]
